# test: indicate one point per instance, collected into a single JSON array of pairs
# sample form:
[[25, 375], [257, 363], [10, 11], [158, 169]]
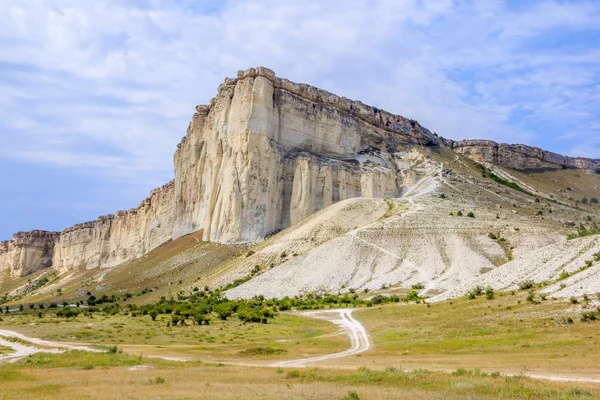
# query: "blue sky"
[[95, 95]]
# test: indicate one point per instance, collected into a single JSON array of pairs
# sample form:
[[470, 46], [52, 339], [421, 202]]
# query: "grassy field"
[[508, 334], [78, 375], [292, 335]]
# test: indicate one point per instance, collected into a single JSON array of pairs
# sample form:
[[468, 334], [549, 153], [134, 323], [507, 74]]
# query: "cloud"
[[109, 87]]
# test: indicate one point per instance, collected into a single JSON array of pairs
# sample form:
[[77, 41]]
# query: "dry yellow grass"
[[102, 376], [507, 334]]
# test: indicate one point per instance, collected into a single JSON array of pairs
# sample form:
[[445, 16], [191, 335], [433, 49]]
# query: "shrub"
[[589, 316], [114, 350], [293, 374], [489, 293], [527, 284], [351, 396], [492, 236], [418, 286], [471, 215], [459, 213], [159, 380], [412, 296], [67, 312]]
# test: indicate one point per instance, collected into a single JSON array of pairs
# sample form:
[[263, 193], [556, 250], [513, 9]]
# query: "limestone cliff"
[[264, 154], [267, 153], [521, 157], [28, 252], [114, 239]]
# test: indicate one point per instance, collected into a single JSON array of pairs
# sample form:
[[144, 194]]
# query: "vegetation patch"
[[261, 351], [79, 359], [583, 231], [487, 173]]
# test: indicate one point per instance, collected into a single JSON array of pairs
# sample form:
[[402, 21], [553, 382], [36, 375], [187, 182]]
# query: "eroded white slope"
[[423, 244], [545, 264]]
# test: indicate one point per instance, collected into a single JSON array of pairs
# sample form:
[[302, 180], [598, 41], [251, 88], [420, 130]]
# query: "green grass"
[[5, 350], [79, 359], [222, 339]]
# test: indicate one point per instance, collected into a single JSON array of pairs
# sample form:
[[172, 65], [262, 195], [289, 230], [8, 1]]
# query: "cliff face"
[[114, 239], [264, 154], [267, 152], [521, 157], [28, 252]]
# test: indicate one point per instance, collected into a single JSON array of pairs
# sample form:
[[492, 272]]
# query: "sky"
[[95, 95]]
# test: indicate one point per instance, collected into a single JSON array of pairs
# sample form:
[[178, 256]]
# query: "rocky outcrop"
[[268, 152], [521, 157], [114, 239], [264, 154], [28, 252]]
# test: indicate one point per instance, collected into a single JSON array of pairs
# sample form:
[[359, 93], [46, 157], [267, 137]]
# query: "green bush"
[[589, 316], [67, 312], [527, 284]]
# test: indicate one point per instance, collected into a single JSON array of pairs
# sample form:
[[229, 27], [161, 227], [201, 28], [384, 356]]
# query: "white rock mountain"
[[264, 154]]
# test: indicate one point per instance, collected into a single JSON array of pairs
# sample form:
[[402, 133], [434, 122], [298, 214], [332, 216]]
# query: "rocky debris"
[[520, 157]]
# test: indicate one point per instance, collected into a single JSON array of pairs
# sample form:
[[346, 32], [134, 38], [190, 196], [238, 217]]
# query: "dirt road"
[[22, 350], [359, 340]]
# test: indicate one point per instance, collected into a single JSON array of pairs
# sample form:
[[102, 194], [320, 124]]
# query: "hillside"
[[283, 189]]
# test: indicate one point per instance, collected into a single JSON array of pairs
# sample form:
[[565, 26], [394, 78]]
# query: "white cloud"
[[126, 79]]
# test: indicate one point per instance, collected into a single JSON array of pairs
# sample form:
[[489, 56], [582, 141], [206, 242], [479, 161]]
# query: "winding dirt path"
[[21, 350], [343, 318]]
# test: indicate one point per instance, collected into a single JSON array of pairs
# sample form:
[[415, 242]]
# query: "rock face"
[[267, 153], [521, 157], [28, 252], [264, 154], [114, 239]]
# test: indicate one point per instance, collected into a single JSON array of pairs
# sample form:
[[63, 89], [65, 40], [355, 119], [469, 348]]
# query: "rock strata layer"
[[263, 155], [521, 157], [28, 252]]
